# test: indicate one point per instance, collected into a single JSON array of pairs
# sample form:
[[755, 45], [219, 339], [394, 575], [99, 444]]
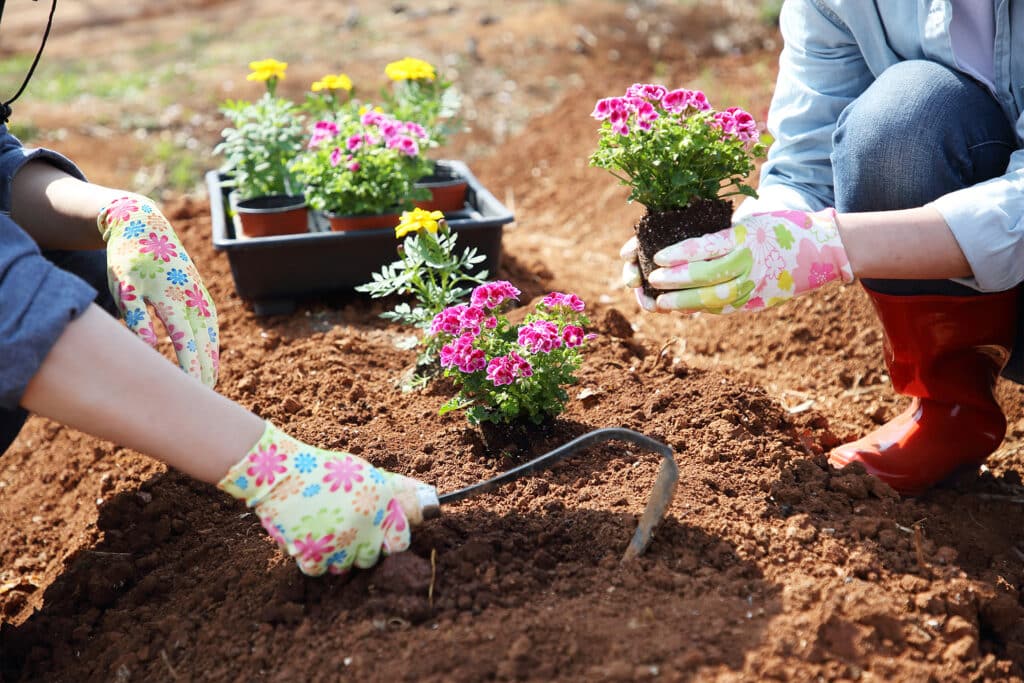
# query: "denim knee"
[[918, 132]]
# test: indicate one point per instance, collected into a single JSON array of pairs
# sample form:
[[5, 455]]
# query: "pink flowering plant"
[[365, 162], [671, 146], [509, 373]]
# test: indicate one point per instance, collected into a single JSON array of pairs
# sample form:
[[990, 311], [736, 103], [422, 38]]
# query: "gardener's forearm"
[[101, 379], [909, 244], [59, 211]]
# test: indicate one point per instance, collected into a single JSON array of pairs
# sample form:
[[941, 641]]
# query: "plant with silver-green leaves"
[[265, 136], [433, 273]]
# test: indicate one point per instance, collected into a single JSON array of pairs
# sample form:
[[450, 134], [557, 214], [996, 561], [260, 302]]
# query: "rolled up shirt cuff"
[[990, 237]]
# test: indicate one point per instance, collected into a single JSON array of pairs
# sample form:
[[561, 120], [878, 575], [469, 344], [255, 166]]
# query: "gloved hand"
[[328, 510], [146, 264], [761, 261]]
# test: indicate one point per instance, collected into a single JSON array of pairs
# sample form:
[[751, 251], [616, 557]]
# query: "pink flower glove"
[[326, 509], [146, 264], [762, 261]]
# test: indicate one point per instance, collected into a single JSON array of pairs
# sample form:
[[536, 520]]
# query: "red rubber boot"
[[946, 352]]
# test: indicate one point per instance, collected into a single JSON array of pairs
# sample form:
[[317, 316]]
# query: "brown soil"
[[659, 229], [769, 566]]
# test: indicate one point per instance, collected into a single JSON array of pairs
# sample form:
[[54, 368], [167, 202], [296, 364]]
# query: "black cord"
[[5, 107]]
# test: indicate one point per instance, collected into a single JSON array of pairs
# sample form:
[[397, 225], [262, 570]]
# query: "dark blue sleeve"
[[14, 155], [37, 301]]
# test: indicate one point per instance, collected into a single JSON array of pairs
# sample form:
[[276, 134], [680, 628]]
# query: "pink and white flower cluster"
[[376, 129], [506, 370], [645, 103], [671, 147]]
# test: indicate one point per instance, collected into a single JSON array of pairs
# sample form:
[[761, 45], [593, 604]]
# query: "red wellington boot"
[[946, 352]]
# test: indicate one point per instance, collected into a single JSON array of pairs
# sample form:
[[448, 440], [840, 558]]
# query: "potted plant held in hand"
[[681, 159], [361, 169], [264, 138], [419, 93]]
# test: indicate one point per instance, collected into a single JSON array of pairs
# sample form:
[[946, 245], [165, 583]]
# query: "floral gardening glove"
[[146, 264], [328, 510], [761, 261]]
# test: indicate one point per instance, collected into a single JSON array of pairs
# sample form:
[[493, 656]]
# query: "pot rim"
[[331, 214], [278, 203], [452, 182]]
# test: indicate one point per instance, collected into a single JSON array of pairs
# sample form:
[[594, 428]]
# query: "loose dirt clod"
[[403, 573]]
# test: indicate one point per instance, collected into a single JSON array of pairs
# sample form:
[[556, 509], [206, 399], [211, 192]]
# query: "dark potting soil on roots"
[[658, 229]]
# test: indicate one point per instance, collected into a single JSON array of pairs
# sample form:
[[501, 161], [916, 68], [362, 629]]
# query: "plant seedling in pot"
[[363, 163], [419, 92], [264, 137], [681, 158]]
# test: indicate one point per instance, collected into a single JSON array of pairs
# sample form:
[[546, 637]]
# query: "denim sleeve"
[[13, 155], [37, 301], [987, 221], [821, 71]]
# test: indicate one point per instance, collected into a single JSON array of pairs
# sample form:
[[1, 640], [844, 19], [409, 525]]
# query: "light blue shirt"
[[834, 49]]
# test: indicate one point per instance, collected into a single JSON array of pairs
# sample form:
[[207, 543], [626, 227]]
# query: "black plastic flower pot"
[[275, 273]]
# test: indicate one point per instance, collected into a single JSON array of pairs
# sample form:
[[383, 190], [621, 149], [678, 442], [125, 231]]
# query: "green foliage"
[[371, 177], [266, 135], [769, 11], [675, 156], [23, 131], [179, 167], [431, 272], [535, 396], [434, 104]]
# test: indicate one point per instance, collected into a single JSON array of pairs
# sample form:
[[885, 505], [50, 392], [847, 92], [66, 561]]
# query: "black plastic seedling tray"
[[274, 273]]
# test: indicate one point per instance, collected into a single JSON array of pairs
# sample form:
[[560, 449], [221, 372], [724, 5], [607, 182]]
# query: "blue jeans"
[[918, 132]]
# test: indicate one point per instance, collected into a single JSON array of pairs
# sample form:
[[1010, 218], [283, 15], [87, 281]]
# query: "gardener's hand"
[[328, 510], [146, 264], [631, 276], [762, 261]]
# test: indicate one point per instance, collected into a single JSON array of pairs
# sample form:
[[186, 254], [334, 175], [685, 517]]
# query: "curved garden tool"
[[428, 503]]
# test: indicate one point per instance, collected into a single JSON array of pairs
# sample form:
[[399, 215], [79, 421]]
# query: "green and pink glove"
[[146, 264], [328, 510], [761, 261]]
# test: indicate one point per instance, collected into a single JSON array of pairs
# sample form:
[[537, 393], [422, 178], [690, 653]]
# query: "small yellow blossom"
[[365, 108], [265, 69], [333, 82], [416, 220], [410, 69]]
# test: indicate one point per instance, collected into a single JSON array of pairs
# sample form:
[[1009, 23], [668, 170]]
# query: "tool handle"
[[418, 500]]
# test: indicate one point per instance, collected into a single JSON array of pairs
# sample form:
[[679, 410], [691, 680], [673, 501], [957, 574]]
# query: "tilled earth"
[[770, 565]]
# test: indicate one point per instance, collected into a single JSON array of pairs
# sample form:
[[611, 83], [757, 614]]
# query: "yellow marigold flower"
[[416, 220], [410, 69], [333, 82], [265, 69]]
